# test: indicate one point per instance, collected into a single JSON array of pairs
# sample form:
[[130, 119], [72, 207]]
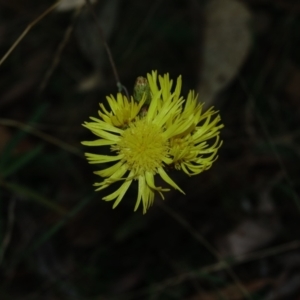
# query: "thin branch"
[[219, 266], [60, 49], [208, 246], [44, 136], [139, 32], [27, 29], [107, 49], [272, 145]]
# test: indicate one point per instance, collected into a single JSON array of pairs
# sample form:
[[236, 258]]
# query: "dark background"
[[235, 235]]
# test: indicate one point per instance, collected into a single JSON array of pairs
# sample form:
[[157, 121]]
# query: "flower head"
[[148, 134]]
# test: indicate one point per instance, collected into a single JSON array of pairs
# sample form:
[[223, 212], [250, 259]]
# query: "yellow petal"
[[167, 179]]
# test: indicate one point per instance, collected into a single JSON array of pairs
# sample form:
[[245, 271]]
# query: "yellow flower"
[[145, 139], [122, 111]]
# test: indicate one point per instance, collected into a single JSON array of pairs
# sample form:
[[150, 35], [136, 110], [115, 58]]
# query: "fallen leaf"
[[248, 236], [226, 43], [66, 5]]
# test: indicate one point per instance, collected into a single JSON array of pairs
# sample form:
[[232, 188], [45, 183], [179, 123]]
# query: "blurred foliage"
[[59, 240]]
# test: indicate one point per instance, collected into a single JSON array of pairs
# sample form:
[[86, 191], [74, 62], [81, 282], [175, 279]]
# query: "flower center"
[[180, 144], [143, 147], [181, 151]]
